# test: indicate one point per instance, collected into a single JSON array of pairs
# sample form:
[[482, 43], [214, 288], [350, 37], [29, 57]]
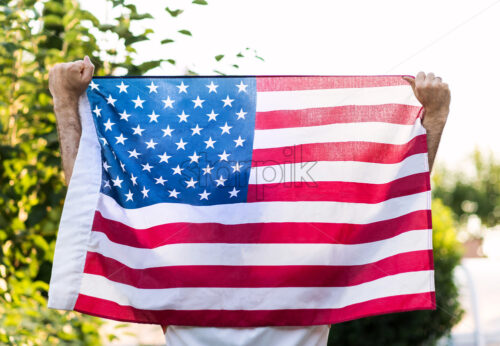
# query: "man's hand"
[[434, 95], [67, 81]]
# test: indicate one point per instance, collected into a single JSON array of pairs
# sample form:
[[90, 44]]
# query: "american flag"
[[247, 201]]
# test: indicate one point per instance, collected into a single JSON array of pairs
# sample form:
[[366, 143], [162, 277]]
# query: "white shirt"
[[286, 336]]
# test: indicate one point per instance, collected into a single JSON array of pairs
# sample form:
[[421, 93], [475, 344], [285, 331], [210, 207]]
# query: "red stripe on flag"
[[388, 113], [338, 191], [286, 232], [340, 151], [286, 83], [256, 276], [253, 318]]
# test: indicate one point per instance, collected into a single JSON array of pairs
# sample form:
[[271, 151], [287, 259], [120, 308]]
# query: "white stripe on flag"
[[266, 298], [345, 171], [260, 254], [239, 213], [302, 99], [348, 132]]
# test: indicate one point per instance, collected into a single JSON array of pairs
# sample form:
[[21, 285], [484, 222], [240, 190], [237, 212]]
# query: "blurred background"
[[457, 40]]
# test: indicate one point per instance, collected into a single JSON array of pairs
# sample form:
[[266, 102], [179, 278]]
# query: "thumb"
[[88, 70], [410, 80]]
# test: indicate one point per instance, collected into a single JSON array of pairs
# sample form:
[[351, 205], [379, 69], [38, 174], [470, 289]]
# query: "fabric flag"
[[247, 201]]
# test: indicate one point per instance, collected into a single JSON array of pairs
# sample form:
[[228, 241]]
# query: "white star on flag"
[[108, 124], [182, 88], [133, 179], [151, 144], [241, 114], [212, 87], [117, 182], [204, 195], [164, 157], [167, 131], [212, 116], [223, 156], [123, 88], [181, 144], [124, 115], [177, 170], [210, 143], [138, 102], [198, 102], [220, 181], [196, 130], [194, 157], [236, 167], [138, 130], [173, 193], [207, 170], [105, 166], [147, 167], [94, 85], [183, 117], [111, 100], [120, 139], [225, 129], [239, 142], [227, 101], [153, 117], [160, 180], [242, 87], [97, 111], [152, 88], [233, 193], [134, 153], [191, 183], [168, 103]]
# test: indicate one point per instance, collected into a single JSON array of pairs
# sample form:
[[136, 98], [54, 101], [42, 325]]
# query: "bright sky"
[[457, 40]]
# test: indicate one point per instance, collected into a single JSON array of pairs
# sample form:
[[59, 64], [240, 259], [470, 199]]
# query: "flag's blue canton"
[[176, 140]]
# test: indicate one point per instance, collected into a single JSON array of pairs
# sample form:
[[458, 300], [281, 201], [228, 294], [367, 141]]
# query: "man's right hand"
[[67, 81]]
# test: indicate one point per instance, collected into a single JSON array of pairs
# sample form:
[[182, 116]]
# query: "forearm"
[[434, 125], [69, 130]]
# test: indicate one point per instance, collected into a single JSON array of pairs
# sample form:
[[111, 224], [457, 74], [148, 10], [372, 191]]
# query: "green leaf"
[[137, 16], [167, 40], [219, 57], [174, 13], [52, 19], [172, 61], [185, 32], [200, 2], [9, 46]]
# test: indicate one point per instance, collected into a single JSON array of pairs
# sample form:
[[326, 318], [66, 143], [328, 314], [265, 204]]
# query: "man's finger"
[[87, 61], [88, 70], [430, 77], [410, 80], [77, 66], [420, 78]]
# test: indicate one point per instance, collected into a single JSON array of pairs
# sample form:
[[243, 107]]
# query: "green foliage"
[[476, 195], [416, 327]]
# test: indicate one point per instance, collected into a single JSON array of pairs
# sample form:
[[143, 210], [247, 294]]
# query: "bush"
[[416, 327]]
